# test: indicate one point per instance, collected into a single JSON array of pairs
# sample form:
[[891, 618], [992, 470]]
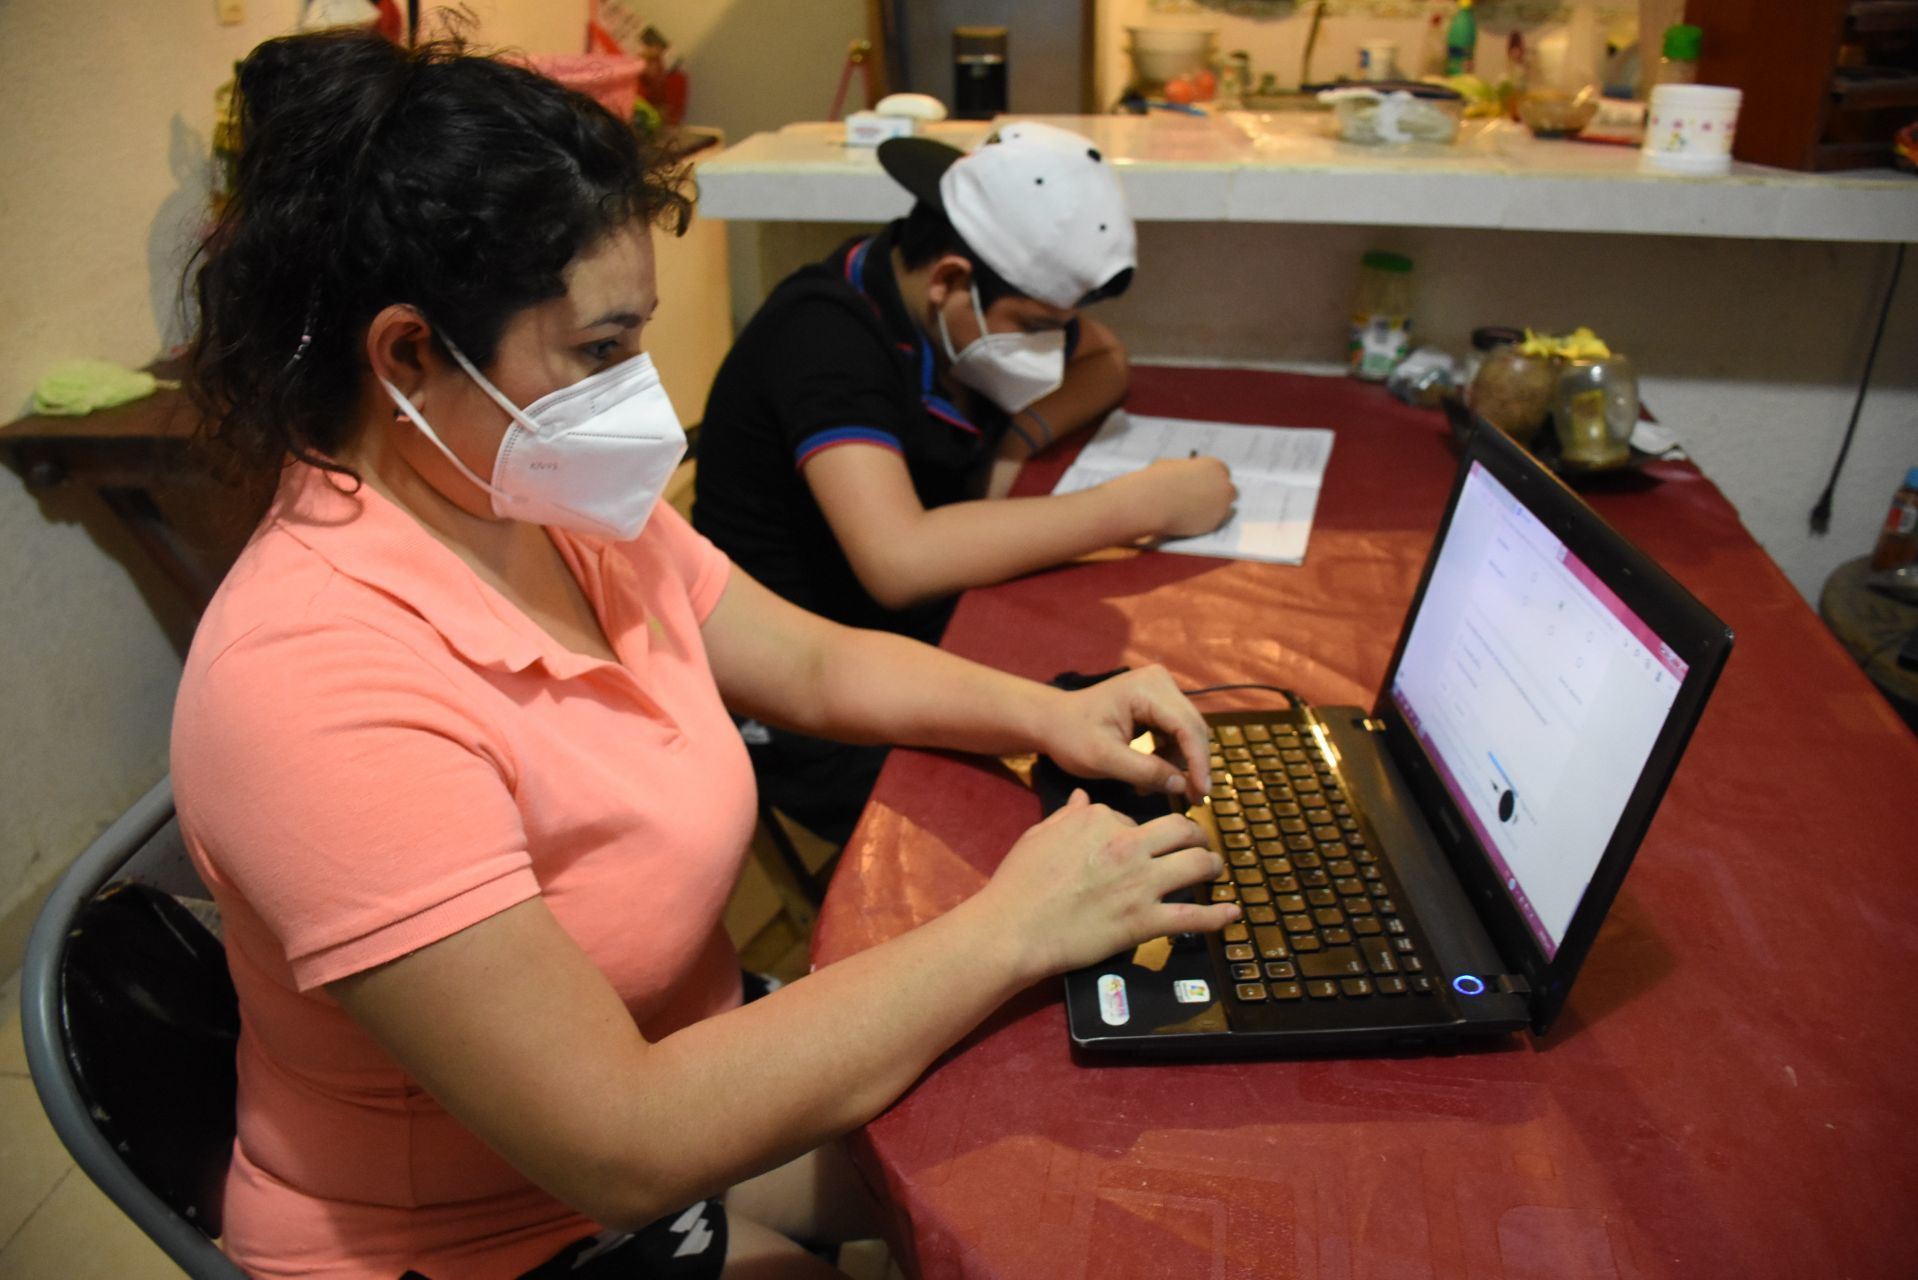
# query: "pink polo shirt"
[[373, 749]]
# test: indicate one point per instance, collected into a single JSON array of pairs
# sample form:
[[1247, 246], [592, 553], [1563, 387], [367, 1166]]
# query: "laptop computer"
[[1435, 868]]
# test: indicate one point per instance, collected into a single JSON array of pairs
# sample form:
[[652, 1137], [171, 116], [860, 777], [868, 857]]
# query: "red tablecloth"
[[1730, 1091]]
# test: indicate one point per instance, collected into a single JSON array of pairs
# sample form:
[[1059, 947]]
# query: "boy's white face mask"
[[1012, 370], [591, 458]]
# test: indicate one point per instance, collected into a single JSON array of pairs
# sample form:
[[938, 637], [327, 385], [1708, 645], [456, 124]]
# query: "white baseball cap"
[[1037, 203]]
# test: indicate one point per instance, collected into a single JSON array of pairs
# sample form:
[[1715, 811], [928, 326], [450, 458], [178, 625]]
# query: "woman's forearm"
[[873, 686]]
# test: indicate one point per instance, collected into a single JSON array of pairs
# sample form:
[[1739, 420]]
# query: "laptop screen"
[[1537, 694]]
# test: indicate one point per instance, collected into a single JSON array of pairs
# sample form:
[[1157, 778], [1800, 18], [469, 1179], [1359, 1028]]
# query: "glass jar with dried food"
[[1513, 391]]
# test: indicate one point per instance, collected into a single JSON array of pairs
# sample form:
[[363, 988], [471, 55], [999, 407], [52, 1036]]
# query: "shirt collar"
[[867, 266], [367, 538]]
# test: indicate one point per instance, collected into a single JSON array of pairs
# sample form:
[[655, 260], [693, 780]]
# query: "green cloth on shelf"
[[75, 387]]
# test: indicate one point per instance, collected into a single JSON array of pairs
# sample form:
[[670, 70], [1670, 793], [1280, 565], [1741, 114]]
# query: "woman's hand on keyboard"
[[1091, 730], [1088, 881]]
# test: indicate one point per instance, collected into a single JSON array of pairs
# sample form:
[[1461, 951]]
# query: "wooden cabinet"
[[1827, 82]]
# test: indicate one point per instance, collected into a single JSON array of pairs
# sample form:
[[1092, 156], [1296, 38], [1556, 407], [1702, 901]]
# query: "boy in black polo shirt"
[[863, 431]]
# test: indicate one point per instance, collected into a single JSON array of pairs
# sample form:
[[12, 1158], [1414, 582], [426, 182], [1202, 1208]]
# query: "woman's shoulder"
[[282, 596], [299, 673], [292, 652]]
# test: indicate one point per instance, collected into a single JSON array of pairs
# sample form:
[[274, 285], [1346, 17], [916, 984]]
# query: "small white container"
[[1379, 60], [870, 128], [1689, 128]]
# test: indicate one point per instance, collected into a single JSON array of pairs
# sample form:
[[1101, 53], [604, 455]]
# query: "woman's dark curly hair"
[[371, 175]]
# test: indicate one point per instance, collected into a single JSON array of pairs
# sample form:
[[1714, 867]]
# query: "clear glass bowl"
[[1552, 113]]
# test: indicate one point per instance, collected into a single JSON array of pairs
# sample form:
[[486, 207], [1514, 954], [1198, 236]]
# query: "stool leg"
[[796, 887]]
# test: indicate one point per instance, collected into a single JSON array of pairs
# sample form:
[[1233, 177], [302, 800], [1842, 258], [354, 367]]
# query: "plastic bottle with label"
[[1235, 81], [1382, 316], [1898, 540], [1679, 63], [1461, 41]]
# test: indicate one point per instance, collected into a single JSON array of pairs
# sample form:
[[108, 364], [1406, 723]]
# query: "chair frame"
[[43, 1027]]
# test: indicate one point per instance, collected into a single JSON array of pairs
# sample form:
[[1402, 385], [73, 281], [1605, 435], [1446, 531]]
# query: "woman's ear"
[[399, 348]]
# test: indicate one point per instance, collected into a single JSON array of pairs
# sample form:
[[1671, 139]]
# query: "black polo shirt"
[[832, 358]]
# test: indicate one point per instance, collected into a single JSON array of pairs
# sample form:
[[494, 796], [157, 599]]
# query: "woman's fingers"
[[1174, 831], [1181, 869], [1137, 769], [1189, 731], [1089, 881], [1159, 703], [1191, 917]]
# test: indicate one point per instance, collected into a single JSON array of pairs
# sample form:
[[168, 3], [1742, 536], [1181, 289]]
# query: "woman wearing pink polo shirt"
[[452, 748]]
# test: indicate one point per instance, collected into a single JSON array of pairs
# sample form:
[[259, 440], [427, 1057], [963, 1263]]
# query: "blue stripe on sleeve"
[[844, 435]]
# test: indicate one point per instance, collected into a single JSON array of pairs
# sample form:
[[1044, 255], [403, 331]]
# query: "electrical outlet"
[[232, 12]]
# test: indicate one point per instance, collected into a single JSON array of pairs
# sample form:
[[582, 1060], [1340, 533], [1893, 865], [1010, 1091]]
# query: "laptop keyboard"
[[1322, 920]]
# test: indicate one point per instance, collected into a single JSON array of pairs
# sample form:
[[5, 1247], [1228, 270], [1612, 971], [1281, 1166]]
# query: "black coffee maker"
[[978, 72]]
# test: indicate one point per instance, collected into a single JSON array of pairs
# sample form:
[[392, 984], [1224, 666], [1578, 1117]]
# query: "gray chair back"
[[99, 1105]]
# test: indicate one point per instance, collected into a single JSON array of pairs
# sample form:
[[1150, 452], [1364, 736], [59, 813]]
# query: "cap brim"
[[917, 164]]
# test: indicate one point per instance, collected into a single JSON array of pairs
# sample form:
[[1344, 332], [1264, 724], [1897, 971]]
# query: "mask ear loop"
[[419, 420], [972, 287], [485, 384], [945, 336]]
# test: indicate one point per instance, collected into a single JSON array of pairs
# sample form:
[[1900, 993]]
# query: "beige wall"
[[755, 65], [104, 145], [103, 142], [537, 26]]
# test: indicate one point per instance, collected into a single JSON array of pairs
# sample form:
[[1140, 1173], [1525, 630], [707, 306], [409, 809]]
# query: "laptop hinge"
[[1512, 984], [1372, 725]]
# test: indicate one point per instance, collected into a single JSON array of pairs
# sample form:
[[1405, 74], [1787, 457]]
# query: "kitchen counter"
[[1282, 167]]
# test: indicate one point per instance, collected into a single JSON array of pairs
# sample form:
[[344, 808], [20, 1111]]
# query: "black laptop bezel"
[[1697, 635]]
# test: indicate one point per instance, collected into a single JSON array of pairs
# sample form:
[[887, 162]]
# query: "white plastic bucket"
[[1689, 127]]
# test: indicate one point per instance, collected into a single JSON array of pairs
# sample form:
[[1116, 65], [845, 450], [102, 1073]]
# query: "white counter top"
[[1284, 167]]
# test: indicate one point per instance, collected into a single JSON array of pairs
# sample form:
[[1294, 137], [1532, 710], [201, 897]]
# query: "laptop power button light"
[[1467, 985]]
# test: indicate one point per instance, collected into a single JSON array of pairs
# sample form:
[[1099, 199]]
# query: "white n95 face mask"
[[1010, 369], [591, 458]]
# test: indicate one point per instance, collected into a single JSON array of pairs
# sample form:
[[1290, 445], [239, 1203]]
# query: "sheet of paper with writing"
[[1278, 471]]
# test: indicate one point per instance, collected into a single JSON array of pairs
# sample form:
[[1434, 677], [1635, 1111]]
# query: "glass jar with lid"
[[1512, 390], [1594, 410], [1486, 339]]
